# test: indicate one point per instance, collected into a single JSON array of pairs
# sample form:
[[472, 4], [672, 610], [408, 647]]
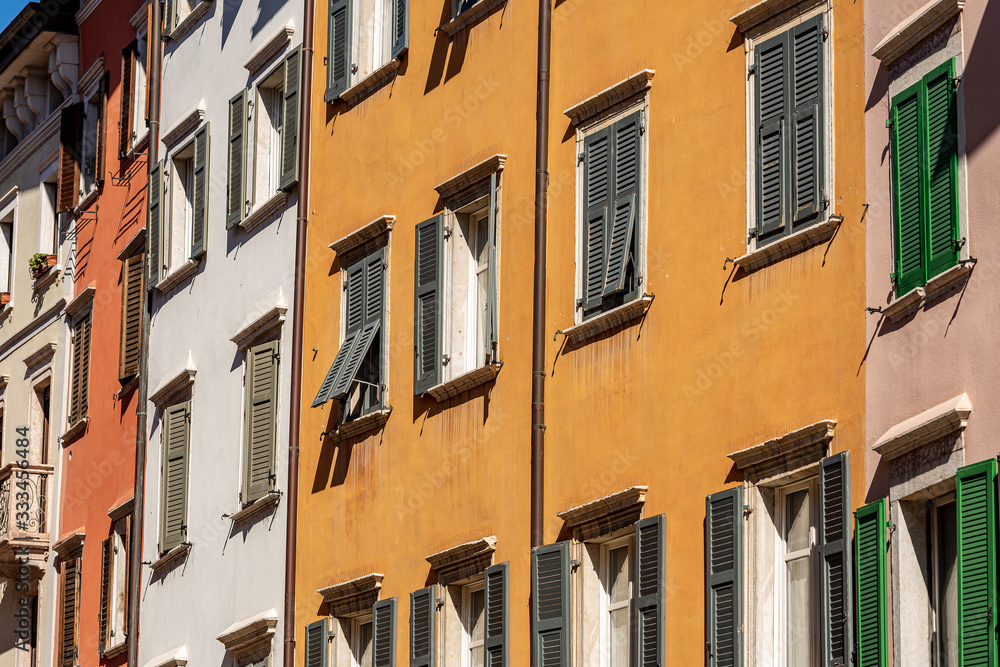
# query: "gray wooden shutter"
[[374, 286], [107, 554], [550, 605], [259, 421], [835, 536], [400, 27], [70, 138], [496, 635], [154, 224], [173, 506], [292, 120], [427, 308], [724, 578], [772, 75], [338, 66], [336, 369], [132, 297], [597, 195], [354, 321], [649, 579], [236, 199], [317, 640], [806, 107], [423, 604], [492, 288], [627, 178], [384, 633], [199, 216]]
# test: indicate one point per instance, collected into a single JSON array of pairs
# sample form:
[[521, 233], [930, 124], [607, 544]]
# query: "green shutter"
[[942, 168], [496, 639], [772, 78], [906, 168], [154, 223], [423, 604], [236, 177], [200, 214], [806, 105], [650, 575], [724, 577], [384, 633], [427, 314], [835, 536], [290, 128], [598, 193], [259, 429], [977, 554], [317, 640], [624, 205], [338, 54], [174, 487], [550, 605], [492, 295], [400, 27], [870, 544]]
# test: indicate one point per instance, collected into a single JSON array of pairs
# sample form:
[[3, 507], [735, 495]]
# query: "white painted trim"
[[638, 83], [174, 382], [380, 225], [269, 50], [250, 632], [86, 83], [916, 27], [173, 658], [80, 302], [254, 324], [929, 425], [183, 127], [85, 11]]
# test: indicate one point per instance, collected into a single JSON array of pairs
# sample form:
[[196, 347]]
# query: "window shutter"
[[290, 129], [806, 101], [70, 136], [132, 296], [400, 27], [384, 633], [102, 121], [496, 637], [169, 17], [199, 216], [492, 289], [870, 544], [374, 286], [908, 191], [427, 316], [423, 604], [627, 180], [352, 362], [154, 224], [259, 421], [127, 548], [80, 376], [550, 605], [724, 577], [126, 101], [835, 536], [70, 612], [338, 68], [176, 437], [942, 168], [597, 196], [107, 554], [336, 369], [649, 580], [977, 554], [317, 640], [236, 199], [772, 88]]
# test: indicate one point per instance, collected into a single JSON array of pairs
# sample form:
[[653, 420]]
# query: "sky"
[[9, 9]]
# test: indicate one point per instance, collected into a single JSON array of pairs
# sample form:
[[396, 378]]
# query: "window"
[[363, 36], [131, 121], [944, 580], [114, 587], [69, 609], [356, 376], [7, 214], [92, 144], [260, 396], [797, 579], [616, 599], [133, 294], [363, 639], [925, 178], [613, 174], [176, 441], [474, 614], [266, 119], [175, 11], [460, 6], [80, 371], [48, 224], [790, 105]]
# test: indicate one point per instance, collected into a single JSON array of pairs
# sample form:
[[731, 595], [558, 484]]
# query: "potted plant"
[[4, 298], [40, 263]]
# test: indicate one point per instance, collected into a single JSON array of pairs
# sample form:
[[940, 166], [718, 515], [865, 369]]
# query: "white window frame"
[[466, 614], [935, 567], [139, 91], [179, 224], [263, 187], [590, 617], [48, 216], [371, 38], [87, 98], [8, 208], [606, 606], [355, 638], [780, 568], [117, 612]]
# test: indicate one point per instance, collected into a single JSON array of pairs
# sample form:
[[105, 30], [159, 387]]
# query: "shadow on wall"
[[266, 11], [982, 96]]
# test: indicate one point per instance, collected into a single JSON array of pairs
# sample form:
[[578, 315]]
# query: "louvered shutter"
[[375, 286], [492, 287], [427, 317], [132, 296], [384, 633], [724, 577], [649, 580], [126, 575], [772, 76], [496, 639], [806, 107], [176, 437], [199, 214], [100, 143], [977, 554], [236, 175], [169, 16], [870, 574], [70, 609], [80, 375], [835, 536], [107, 556], [154, 224], [597, 195], [70, 137], [906, 173], [260, 417], [336, 369], [354, 320], [291, 122], [423, 604], [550, 605], [942, 168], [338, 67], [317, 640], [126, 93], [624, 205], [400, 27]]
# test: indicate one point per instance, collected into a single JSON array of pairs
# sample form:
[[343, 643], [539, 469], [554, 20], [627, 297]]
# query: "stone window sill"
[[370, 83], [115, 650], [256, 508], [264, 211], [189, 21], [789, 245], [915, 28], [76, 429], [176, 554], [597, 104], [86, 199], [609, 320], [465, 382], [47, 278], [470, 16], [179, 275], [934, 289], [370, 422]]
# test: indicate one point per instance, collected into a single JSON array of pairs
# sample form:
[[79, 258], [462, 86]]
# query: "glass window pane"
[[482, 236], [481, 308], [476, 656], [618, 574], [364, 655], [798, 625], [947, 584], [619, 638], [476, 603], [797, 520]]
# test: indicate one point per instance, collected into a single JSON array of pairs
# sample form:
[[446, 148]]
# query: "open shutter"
[[100, 144], [70, 611], [176, 436], [496, 640], [649, 579], [199, 215], [598, 193], [870, 545], [154, 224], [80, 372], [125, 567], [627, 180], [550, 605], [259, 425], [724, 577], [70, 136], [374, 286], [492, 288], [236, 177], [338, 66], [354, 320], [772, 77], [317, 640], [400, 27], [423, 604], [384, 633], [835, 536], [807, 120], [977, 556], [942, 168], [427, 319], [107, 555], [336, 369], [291, 122], [126, 93], [352, 362], [906, 176], [132, 296]]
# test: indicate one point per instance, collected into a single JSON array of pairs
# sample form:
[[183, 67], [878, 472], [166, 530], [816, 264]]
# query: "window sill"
[[470, 16], [189, 21], [789, 245], [176, 554], [264, 211], [934, 289], [370, 83], [86, 200], [256, 508], [115, 650], [370, 422], [76, 429], [180, 274], [608, 321], [49, 277], [465, 382]]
